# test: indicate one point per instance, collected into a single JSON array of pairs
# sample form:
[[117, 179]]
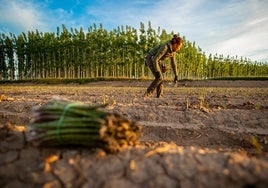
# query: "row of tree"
[[97, 52]]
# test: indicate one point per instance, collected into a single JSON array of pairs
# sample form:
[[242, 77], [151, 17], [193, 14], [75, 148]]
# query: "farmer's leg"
[[157, 79], [160, 90], [154, 85]]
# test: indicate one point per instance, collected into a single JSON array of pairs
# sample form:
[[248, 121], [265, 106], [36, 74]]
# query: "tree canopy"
[[97, 52]]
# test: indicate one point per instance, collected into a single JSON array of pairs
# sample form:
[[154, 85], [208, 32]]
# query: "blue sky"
[[228, 27]]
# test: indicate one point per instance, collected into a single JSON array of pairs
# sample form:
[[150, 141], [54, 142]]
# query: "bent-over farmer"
[[154, 62]]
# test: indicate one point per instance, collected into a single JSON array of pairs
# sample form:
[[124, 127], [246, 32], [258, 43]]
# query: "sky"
[[225, 27]]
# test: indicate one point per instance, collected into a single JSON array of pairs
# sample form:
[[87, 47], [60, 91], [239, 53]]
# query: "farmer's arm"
[[174, 64], [160, 53]]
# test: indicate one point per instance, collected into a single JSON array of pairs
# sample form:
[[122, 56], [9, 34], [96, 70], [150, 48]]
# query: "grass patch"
[[64, 80], [88, 80], [257, 78]]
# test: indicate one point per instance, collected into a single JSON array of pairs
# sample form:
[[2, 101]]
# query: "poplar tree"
[[75, 53], [3, 65]]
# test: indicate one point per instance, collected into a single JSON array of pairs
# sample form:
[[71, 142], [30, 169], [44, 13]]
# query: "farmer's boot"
[[147, 94]]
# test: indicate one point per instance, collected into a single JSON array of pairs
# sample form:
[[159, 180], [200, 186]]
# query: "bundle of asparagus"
[[61, 123]]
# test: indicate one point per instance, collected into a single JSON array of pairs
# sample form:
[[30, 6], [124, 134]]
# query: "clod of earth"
[[202, 133]]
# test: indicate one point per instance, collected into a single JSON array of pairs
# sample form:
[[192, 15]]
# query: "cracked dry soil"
[[201, 134]]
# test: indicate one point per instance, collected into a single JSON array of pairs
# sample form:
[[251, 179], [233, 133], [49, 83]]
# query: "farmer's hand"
[[176, 78]]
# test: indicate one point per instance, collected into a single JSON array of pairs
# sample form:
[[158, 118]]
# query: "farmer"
[[154, 62]]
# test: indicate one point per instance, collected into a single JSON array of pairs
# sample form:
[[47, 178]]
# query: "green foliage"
[[63, 123], [98, 53], [65, 80]]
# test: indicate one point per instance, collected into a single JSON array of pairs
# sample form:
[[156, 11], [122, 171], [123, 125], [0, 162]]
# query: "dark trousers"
[[157, 82]]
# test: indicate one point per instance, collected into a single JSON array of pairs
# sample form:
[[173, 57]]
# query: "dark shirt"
[[162, 52]]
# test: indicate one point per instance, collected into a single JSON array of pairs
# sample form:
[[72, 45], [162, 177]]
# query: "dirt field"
[[201, 134]]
